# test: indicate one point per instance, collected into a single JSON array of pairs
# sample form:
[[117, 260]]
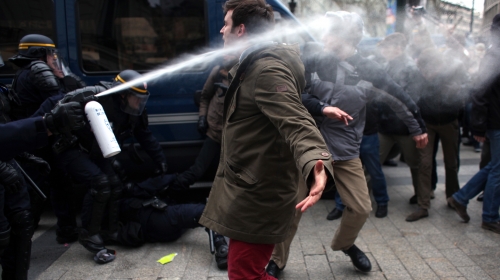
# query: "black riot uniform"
[[41, 75], [147, 214], [16, 221], [85, 163]]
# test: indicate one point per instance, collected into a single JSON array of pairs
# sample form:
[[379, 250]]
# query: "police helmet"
[[136, 96], [346, 25], [36, 46]]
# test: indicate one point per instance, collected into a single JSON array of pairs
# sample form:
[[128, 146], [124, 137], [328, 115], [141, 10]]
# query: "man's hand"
[[65, 117], [336, 113], [317, 188], [421, 140], [480, 139]]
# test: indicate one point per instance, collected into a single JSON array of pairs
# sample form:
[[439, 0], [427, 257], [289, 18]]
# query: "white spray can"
[[102, 129]]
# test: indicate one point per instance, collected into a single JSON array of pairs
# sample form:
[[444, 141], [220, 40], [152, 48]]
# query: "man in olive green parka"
[[269, 139]]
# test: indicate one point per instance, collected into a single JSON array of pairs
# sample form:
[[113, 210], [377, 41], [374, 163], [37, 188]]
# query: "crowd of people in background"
[[302, 111]]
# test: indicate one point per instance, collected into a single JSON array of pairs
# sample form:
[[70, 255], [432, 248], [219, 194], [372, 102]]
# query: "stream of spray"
[[283, 30]]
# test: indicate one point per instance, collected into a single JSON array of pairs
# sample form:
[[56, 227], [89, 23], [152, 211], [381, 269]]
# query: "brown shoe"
[[417, 215], [459, 208], [495, 227]]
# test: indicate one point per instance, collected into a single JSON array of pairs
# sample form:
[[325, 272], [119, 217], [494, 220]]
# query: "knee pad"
[[100, 189], [22, 223], [116, 186]]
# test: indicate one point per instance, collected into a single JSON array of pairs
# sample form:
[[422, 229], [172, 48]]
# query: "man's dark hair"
[[256, 15]]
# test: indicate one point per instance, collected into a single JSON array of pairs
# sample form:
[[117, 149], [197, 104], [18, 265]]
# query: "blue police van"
[[99, 38]]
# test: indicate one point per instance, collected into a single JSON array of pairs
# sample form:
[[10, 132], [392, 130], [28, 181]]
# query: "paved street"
[[437, 247]]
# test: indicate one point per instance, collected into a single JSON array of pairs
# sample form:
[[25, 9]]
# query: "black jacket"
[[325, 66], [444, 96], [405, 73], [485, 92]]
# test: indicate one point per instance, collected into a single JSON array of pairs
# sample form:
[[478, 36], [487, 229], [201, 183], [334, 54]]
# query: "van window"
[[138, 34], [19, 18]]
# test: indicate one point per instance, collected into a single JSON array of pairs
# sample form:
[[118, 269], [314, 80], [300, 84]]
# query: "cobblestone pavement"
[[437, 247]]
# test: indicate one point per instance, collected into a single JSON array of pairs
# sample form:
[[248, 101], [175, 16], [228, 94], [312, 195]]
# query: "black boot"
[[89, 237], [93, 243], [358, 258], [16, 259], [273, 269], [221, 250]]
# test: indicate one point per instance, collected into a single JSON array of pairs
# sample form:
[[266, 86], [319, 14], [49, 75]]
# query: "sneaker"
[[495, 226]]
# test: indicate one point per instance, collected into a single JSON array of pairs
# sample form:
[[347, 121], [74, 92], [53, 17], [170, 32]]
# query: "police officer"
[[16, 219], [41, 74], [149, 215], [127, 116]]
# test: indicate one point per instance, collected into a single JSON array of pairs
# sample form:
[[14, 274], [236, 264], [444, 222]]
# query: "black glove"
[[38, 163], [202, 124], [162, 169], [72, 82], [64, 118], [82, 95], [9, 178]]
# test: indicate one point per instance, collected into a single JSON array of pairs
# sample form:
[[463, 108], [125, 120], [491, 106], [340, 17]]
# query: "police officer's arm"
[[22, 135], [148, 142], [47, 105], [278, 97], [44, 80]]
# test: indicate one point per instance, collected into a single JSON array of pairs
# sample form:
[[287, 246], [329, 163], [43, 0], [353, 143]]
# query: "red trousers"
[[247, 261]]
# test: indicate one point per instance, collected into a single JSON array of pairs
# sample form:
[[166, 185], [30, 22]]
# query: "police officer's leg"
[[93, 213], [82, 169], [63, 198], [4, 224], [16, 258], [114, 203]]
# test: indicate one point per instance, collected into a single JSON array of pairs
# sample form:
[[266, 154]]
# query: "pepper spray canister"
[[102, 129]]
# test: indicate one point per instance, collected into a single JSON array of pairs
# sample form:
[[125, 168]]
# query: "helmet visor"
[[134, 103], [56, 64]]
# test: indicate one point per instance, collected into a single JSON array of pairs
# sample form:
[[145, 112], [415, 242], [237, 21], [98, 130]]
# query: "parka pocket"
[[240, 175]]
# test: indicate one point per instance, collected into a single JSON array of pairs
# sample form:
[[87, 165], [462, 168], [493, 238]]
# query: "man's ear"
[[241, 30]]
